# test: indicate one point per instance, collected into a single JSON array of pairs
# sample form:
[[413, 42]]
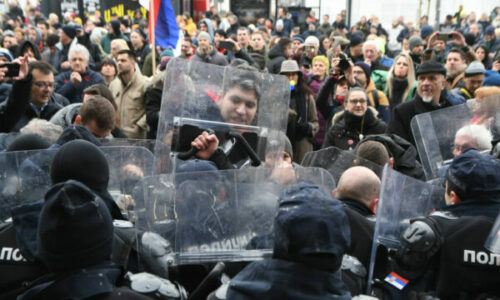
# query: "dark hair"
[[42, 21], [355, 89], [101, 90], [108, 61], [130, 53], [52, 40], [220, 32], [104, 91], [456, 50], [125, 22], [284, 42], [100, 110], [486, 52], [41, 66], [188, 39]]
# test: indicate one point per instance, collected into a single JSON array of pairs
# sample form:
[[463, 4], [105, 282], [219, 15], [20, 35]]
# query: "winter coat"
[[302, 140], [276, 57], [131, 105], [214, 57], [347, 129], [153, 104], [65, 87], [259, 57], [17, 110], [282, 279], [379, 101], [403, 113], [379, 78]]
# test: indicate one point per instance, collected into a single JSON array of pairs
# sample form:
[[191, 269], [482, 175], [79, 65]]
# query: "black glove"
[[302, 129]]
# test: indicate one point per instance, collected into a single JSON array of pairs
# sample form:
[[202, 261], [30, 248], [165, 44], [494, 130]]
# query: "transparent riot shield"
[[493, 241], [435, 132], [128, 166], [221, 215], [401, 199], [148, 144], [336, 161], [24, 178], [227, 101], [25, 175]]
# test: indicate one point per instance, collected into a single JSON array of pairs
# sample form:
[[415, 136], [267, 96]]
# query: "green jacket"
[[106, 41], [379, 77]]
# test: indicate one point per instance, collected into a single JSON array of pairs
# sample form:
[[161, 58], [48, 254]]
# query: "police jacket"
[[281, 279], [94, 282]]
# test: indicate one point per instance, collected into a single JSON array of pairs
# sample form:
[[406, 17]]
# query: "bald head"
[[359, 183]]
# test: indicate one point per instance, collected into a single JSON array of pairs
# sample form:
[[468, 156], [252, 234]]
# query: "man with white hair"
[[472, 137], [372, 55], [72, 83]]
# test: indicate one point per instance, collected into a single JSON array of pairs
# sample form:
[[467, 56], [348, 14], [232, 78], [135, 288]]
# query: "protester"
[[129, 88], [72, 83]]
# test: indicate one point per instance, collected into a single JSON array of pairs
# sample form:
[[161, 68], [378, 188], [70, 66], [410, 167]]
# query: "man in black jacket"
[[30, 97], [278, 53], [431, 95]]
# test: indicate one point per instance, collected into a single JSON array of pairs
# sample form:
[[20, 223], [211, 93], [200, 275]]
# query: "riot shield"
[[336, 161], [435, 131], [228, 101], [401, 199], [148, 144], [221, 215], [128, 165], [493, 241], [25, 177]]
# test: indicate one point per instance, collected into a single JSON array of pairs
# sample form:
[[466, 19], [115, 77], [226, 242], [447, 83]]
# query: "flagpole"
[[152, 35]]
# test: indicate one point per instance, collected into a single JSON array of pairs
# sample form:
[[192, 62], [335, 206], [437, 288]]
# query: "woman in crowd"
[[302, 115], [108, 70], [482, 54], [401, 83]]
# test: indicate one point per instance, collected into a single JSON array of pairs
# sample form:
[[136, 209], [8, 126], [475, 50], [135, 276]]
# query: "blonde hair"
[[410, 77]]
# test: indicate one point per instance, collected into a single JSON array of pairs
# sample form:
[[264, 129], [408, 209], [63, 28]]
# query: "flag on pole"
[[162, 22]]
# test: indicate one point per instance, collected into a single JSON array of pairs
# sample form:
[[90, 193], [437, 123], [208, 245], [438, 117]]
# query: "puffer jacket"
[[347, 129]]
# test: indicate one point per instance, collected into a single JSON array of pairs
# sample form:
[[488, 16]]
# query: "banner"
[[121, 8]]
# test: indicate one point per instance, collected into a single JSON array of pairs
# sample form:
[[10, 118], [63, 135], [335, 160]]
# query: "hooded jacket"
[[29, 44], [276, 57], [312, 234], [347, 129]]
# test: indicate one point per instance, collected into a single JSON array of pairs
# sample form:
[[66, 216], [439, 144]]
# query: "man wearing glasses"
[[31, 97], [356, 121]]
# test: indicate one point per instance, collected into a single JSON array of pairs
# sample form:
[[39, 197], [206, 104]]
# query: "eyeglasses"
[[357, 101], [43, 84]]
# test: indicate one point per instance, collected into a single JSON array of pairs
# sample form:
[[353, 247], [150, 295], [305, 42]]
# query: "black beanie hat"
[[83, 161], [75, 228], [366, 68], [28, 141], [69, 30], [431, 66]]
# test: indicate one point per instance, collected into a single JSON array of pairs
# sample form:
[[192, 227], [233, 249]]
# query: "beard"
[[427, 99], [456, 72]]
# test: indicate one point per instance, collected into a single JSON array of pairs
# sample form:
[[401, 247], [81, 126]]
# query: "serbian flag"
[[162, 22]]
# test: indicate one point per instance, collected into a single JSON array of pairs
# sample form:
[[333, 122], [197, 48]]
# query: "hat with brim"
[[431, 66], [289, 66]]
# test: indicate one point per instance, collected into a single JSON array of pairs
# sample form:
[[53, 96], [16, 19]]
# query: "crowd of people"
[[69, 85]]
